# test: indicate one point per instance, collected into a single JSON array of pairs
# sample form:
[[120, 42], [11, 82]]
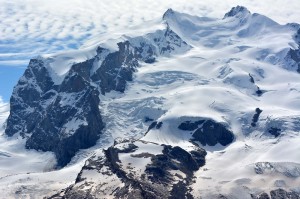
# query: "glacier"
[[193, 107]]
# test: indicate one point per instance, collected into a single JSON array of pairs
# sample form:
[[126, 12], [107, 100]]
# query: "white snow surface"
[[29, 173], [209, 81], [140, 157]]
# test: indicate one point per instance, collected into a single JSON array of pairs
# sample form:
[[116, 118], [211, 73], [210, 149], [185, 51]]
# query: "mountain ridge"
[[193, 109], [80, 87]]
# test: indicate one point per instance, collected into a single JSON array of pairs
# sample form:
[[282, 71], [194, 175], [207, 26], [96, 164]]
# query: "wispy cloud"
[[2, 103]]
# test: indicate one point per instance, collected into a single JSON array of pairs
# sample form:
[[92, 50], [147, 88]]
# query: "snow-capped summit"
[[168, 14], [197, 108], [58, 111], [238, 12]]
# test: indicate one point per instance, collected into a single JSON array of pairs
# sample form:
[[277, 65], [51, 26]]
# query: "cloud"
[[3, 107], [40, 26], [32, 27]]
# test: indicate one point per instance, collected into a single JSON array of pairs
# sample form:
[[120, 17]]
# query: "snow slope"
[[238, 74], [237, 64]]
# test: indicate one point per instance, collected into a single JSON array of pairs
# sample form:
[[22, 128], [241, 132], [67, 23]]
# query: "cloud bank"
[[32, 27]]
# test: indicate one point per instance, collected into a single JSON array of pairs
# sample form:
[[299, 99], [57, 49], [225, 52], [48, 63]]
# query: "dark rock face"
[[168, 13], [282, 194], [175, 158], [27, 94], [185, 162], [274, 131], [152, 125], [295, 55], [154, 183], [208, 132], [65, 117], [159, 125], [129, 149], [55, 107], [46, 136], [263, 196], [147, 119], [256, 117], [150, 60], [190, 126], [236, 11], [156, 125], [259, 92], [111, 74], [251, 78], [212, 133], [44, 116]]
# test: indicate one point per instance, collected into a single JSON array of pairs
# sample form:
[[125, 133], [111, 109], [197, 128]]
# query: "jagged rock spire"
[[238, 11]]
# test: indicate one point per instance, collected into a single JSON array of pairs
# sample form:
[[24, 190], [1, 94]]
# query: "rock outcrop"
[[208, 132], [166, 174], [65, 117]]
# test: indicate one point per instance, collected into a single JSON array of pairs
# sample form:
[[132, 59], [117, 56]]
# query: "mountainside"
[[58, 110], [193, 108]]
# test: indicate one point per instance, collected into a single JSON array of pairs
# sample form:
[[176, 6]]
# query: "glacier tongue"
[[200, 108]]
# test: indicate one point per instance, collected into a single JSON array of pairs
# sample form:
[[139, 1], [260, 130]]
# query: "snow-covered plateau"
[[180, 107]]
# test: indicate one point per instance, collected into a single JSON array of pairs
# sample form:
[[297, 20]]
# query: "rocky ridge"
[[210, 116]]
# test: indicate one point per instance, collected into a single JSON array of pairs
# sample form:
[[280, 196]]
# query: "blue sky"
[[29, 28], [8, 78], [15, 56]]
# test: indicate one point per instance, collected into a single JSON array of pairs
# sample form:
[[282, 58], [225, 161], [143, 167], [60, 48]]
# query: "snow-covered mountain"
[[181, 107]]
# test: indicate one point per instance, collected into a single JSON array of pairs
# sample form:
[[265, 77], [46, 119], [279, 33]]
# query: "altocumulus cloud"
[[32, 27]]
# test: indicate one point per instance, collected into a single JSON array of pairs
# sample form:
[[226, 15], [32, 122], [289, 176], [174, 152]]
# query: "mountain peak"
[[168, 13], [184, 95], [238, 11]]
